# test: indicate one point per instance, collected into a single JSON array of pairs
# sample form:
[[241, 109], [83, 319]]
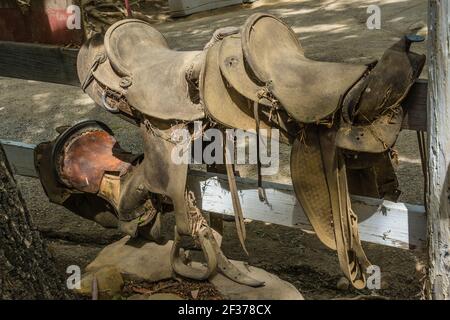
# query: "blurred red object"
[[127, 6], [45, 22]]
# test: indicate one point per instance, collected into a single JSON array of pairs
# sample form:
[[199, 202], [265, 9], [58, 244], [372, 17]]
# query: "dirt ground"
[[329, 30]]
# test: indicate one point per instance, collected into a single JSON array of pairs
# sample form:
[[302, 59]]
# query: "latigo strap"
[[352, 258]]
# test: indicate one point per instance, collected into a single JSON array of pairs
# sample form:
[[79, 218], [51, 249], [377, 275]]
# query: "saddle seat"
[[138, 64], [309, 90]]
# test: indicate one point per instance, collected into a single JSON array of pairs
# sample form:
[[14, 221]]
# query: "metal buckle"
[[107, 106]]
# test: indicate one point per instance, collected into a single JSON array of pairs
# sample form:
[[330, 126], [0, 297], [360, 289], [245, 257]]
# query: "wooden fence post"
[[438, 196]]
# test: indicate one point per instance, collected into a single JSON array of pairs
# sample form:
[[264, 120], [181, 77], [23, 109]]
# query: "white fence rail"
[[383, 222]]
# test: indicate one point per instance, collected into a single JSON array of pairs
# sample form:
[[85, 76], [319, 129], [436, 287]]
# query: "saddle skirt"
[[222, 103], [233, 69], [137, 65], [92, 64]]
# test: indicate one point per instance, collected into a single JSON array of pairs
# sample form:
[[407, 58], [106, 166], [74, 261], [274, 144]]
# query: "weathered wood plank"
[[381, 222], [46, 63], [44, 22], [20, 157], [416, 107], [438, 207], [181, 8]]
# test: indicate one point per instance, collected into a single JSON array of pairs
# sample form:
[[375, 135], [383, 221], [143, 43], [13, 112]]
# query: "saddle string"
[[152, 129], [376, 135], [195, 218], [263, 93], [155, 131], [220, 34], [261, 192], [99, 58]]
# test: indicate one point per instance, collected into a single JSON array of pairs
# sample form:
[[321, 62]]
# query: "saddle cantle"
[[135, 65]]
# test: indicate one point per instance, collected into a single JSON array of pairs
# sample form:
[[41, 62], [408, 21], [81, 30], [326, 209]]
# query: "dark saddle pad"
[[135, 62]]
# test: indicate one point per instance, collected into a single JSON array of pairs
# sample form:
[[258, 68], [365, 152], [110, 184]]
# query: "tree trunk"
[[27, 270], [438, 196]]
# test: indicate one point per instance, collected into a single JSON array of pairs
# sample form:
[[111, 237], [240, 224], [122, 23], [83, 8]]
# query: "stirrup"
[[228, 269], [215, 258], [231, 271], [179, 264]]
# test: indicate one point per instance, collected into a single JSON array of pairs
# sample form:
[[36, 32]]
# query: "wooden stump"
[[27, 270]]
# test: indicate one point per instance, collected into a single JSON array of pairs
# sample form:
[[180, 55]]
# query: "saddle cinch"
[[334, 114]]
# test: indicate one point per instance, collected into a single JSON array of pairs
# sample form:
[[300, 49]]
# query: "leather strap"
[[219, 34], [352, 258], [261, 191], [238, 215], [99, 58]]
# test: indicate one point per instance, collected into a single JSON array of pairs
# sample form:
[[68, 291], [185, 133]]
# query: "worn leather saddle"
[[133, 65], [337, 116], [267, 56]]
